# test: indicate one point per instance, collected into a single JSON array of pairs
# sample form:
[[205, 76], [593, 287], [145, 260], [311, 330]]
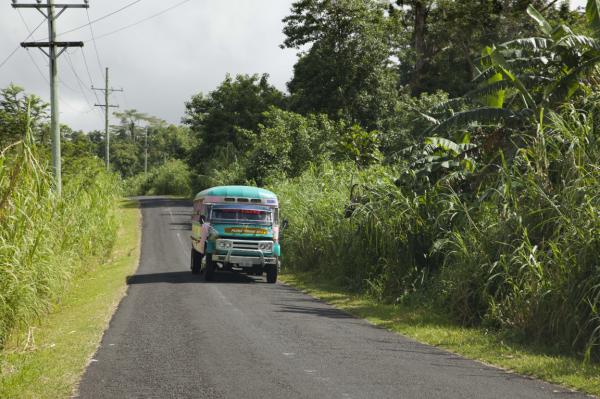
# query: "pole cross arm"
[[45, 5], [51, 44]]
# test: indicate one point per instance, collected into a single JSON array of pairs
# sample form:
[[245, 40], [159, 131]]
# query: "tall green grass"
[[46, 239], [520, 253], [525, 255]]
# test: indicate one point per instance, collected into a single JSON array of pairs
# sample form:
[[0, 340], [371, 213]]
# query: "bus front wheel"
[[196, 261], [209, 272], [271, 274]]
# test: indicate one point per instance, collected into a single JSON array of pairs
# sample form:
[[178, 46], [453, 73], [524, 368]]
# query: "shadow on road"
[[160, 202], [186, 277], [181, 226], [316, 311]]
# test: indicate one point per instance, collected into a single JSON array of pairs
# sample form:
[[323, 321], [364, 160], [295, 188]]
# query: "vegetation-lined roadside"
[[428, 325], [47, 360]]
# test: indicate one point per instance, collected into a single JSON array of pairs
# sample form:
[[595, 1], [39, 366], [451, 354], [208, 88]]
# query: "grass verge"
[[429, 326], [47, 361]]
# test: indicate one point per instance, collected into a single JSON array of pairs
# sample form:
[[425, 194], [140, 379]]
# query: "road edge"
[[488, 348]]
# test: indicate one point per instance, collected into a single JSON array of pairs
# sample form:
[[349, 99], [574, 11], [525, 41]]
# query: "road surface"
[[176, 336]]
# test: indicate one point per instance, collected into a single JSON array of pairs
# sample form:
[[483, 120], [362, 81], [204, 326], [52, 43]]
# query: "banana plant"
[[440, 159], [521, 78]]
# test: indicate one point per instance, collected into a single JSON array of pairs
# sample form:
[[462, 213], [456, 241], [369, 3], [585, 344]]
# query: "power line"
[[125, 100], [37, 66], [17, 48], [94, 40], [28, 53], [25, 23], [99, 19], [140, 21], [87, 69], [78, 79]]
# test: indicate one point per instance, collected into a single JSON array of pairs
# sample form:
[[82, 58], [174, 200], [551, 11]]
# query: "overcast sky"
[[160, 63]]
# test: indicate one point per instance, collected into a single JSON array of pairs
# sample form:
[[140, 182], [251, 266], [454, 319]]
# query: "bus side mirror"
[[284, 224]]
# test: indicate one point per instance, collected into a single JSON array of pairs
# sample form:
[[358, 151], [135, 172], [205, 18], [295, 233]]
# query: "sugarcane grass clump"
[[46, 239]]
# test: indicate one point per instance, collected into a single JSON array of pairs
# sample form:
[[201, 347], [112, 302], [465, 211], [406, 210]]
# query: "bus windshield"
[[242, 215]]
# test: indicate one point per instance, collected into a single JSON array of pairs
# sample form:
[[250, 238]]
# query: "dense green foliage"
[[44, 239]]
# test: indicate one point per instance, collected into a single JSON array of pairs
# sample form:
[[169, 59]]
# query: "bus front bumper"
[[257, 258]]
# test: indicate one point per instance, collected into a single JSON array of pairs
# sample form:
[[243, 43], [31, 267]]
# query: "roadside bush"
[[171, 178], [46, 239]]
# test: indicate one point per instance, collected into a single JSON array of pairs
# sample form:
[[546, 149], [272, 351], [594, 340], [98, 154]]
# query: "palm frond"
[[540, 20], [481, 116], [529, 43], [434, 143], [592, 12], [490, 89], [486, 74], [574, 41], [563, 88], [449, 105]]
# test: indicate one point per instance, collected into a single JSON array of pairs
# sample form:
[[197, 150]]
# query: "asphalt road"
[[176, 336]]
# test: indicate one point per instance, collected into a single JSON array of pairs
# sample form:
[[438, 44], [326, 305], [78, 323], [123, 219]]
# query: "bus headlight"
[[266, 246], [224, 244]]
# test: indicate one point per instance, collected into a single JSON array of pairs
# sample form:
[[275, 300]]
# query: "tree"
[[438, 41], [15, 104], [168, 143], [131, 120], [77, 144], [287, 142], [125, 158], [346, 71], [217, 119]]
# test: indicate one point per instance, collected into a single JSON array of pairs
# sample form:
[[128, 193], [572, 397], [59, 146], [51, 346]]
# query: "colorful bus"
[[236, 228]]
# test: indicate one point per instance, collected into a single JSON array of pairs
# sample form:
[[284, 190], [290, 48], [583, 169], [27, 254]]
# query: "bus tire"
[[271, 274], [209, 271], [196, 262]]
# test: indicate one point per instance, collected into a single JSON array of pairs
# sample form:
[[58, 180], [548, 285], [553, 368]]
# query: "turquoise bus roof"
[[236, 191]]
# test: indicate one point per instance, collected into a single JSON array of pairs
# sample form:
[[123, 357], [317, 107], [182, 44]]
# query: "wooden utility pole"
[[106, 106], [53, 53], [146, 152]]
